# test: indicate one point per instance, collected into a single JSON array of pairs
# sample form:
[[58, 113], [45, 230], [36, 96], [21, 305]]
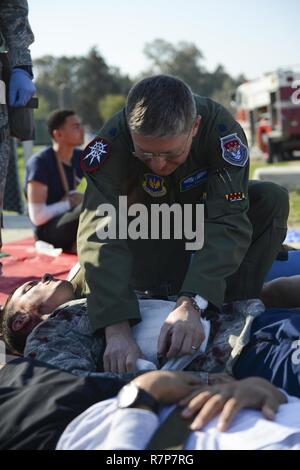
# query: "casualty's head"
[[65, 127], [162, 118], [31, 304]]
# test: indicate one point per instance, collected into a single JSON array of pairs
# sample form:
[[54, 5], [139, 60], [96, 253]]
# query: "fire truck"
[[268, 109]]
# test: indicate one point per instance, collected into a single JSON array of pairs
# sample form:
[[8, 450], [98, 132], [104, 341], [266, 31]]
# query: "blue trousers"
[[274, 350]]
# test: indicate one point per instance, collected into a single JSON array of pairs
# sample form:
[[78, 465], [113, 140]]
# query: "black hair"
[[57, 119], [15, 340]]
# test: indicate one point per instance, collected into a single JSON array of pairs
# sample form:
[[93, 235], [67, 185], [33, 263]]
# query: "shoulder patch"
[[234, 151], [95, 154]]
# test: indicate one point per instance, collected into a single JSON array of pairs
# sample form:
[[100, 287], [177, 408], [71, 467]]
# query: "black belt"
[[163, 291]]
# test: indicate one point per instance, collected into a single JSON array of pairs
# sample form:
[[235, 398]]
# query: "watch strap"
[[192, 300]]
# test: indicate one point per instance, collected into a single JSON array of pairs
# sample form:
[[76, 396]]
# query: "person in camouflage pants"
[[15, 38]]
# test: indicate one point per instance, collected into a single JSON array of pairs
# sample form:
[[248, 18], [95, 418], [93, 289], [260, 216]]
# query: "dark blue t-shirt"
[[42, 167]]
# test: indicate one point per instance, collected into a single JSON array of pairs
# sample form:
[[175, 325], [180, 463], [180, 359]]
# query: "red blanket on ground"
[[25, 264]]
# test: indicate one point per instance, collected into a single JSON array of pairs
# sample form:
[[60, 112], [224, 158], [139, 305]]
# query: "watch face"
[[127, 395]]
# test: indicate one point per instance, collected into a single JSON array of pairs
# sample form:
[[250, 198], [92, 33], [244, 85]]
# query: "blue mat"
[[290, 267]]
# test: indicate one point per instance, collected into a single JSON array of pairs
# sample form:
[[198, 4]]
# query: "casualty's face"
[[42, 296]]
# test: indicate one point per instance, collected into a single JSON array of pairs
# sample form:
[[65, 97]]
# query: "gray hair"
[[159, 106]]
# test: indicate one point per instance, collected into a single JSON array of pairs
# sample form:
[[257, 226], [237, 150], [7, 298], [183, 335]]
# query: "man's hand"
[[181, 330], [75, 198], [229, 399], [121, 351], [168, 387]]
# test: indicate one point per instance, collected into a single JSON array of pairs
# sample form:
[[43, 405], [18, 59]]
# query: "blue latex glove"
[[21, 88]]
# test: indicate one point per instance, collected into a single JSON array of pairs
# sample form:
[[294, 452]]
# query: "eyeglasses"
[[167, 156]]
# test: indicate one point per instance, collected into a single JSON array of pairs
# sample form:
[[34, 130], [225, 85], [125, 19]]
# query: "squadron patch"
[[154, 185], [234, 197], [193, 180], [234, 151], [95, 154]]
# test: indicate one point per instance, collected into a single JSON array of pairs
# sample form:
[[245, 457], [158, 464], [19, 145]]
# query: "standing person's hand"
[[21, 88], [182, 332], [121, 351]]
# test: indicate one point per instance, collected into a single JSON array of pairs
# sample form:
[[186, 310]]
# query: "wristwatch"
[[198, 303], [131, 395]]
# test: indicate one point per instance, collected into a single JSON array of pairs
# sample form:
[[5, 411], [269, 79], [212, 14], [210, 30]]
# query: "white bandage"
[[39, 214], [2, 92]]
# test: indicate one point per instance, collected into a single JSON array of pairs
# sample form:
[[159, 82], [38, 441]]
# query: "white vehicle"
[[268, 109]]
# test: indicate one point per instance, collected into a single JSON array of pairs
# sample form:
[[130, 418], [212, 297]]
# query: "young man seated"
[[51, 179]]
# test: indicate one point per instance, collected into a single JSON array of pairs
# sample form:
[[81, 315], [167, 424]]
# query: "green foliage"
[[185, 61], [42, 111], [82, 82], [109, 105], [78, 83]]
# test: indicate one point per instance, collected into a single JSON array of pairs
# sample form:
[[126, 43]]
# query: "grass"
[[294, 218]]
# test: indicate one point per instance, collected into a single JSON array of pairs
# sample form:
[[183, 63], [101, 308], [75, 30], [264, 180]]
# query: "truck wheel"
[[275, 152]]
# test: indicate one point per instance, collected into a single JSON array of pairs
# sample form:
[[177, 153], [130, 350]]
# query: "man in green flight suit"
[[169, 146]]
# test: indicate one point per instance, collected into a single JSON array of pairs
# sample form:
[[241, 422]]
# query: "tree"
[[56, 79], [109, 105], [185, 61], [78, 83]]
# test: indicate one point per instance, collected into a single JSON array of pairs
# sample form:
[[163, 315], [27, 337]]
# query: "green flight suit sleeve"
[[227, 229], [16, 31], [107, 263]]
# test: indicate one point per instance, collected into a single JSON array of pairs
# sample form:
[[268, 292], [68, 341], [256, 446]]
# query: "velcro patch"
[[95, 154], [234, 151], [233, 197], [193, 180]]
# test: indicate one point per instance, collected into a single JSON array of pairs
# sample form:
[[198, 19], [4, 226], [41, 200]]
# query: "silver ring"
[[194, 348]]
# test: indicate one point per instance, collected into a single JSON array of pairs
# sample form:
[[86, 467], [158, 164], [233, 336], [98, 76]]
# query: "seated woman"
[[51, 178]]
